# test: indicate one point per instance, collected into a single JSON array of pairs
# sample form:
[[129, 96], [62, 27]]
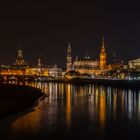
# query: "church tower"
[[20, 60], [102, 55], [40, 64], [69, 58]]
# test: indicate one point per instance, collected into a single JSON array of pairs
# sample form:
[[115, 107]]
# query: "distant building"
[[20, 62], [18, 68], [134, 64], [87, 65], [40, 69], [54, 71], [43, 70]]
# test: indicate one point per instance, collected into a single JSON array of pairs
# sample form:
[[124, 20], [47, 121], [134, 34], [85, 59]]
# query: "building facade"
[[87, 65], [134, 64], [20, 62], [54, 71]]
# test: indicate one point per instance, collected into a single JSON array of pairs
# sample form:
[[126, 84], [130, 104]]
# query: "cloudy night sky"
[[46, 28]]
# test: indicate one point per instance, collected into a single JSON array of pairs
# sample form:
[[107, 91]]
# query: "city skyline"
[[94, 56], [20, 53], [46, 28], [69, 69]]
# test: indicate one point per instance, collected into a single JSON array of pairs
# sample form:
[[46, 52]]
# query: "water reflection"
[[72, 107], [68, 105], [102, 107]]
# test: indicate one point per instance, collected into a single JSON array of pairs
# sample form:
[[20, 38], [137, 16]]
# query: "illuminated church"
[[20, 62], [87, 65]]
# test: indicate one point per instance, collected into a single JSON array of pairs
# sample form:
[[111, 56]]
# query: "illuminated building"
[[32, 71], [40, 69], [69, 58], [102, 56], [86, 65], [133, 69], [20, 66], [20, 62], [54, 71], [134, 64]]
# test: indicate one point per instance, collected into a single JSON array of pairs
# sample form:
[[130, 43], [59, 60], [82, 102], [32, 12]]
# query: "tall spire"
[[69, 57], [102, 55], [103, 40], [69, 45], [103, 45], [20, 62], [40, 61]]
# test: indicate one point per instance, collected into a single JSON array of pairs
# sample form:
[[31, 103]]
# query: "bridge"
[[23, 78]]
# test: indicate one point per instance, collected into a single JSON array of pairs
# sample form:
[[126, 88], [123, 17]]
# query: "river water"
[[77, 112]]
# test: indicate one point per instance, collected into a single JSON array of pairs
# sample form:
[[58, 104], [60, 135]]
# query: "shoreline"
[[123, 84], [16, 98]]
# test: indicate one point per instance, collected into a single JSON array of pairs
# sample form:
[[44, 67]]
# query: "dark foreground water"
[[77, 112]]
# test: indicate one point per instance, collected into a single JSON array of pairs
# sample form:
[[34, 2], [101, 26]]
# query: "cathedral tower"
[[102, 55], [69, 58], [20, 60]]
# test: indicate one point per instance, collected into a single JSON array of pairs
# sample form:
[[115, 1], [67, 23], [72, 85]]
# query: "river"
[[77, 112]]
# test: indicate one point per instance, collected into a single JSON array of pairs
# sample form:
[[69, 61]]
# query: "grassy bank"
[[14, 98]]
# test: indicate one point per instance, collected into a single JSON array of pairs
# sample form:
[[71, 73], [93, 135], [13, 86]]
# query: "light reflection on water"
[[73, 108]]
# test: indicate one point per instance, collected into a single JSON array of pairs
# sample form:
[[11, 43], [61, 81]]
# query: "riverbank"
[[15, 98]]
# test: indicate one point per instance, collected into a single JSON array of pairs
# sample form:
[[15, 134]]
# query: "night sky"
[[45, 28]]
